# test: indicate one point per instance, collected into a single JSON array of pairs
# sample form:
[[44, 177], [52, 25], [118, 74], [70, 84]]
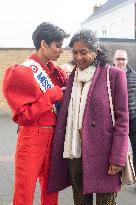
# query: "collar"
[[49, 68]]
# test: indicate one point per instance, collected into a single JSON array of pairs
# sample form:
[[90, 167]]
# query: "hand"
[[114, 169], [63, 88]]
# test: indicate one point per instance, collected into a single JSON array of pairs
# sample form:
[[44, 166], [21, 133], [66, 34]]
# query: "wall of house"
[[113, 45], [12, 56], [119, 22]]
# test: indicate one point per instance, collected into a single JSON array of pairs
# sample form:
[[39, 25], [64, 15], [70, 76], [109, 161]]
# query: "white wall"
[[116, 23]]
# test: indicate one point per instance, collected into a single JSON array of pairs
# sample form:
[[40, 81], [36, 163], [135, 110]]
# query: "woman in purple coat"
[[88, 152]]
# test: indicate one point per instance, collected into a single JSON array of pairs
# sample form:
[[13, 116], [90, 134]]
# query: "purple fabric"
[[101, 143]]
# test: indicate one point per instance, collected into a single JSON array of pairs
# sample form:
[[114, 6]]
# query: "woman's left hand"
[[114, 169]]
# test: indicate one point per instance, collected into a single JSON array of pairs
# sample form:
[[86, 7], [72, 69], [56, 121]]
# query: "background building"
[[114, 19], [10, 56]]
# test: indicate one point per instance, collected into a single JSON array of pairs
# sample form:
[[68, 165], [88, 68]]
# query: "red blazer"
[[29, 105]]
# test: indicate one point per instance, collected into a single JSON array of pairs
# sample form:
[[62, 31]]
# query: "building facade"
[[114, 19], [10, 56]]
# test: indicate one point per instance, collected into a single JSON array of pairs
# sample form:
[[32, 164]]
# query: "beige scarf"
[[81, 85]]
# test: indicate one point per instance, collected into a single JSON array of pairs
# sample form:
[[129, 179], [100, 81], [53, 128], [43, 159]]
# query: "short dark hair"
[[92, 42], [48, 32]]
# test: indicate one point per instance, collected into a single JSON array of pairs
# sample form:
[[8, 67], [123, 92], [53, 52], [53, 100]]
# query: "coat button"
[[93, 124]]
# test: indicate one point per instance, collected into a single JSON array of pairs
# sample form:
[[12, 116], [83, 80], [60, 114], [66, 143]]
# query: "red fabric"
[[31, 107], [57, 75], [32, 160], [28, 103]]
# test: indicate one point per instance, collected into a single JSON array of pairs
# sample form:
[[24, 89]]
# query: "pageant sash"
[[40, 75]]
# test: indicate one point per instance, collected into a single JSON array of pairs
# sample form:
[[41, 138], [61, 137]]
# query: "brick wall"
[[11, 56]]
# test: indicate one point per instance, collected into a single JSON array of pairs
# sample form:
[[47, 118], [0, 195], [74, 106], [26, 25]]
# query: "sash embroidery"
[[40, 76]]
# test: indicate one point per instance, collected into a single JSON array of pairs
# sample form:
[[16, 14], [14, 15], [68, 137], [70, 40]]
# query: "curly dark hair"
[[48, 32], [92, 42]]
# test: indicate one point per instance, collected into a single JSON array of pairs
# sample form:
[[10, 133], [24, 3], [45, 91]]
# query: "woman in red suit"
[[32, 91]]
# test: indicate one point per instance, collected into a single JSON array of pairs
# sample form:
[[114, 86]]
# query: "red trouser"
[[32, 161]]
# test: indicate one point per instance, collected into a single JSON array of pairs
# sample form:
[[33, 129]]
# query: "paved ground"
[[7, 148]]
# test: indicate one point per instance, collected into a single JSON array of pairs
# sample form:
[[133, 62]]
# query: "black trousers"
[[76, 175], [132, 136]]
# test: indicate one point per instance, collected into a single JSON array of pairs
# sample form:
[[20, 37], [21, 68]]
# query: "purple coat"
[[101, 143]]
